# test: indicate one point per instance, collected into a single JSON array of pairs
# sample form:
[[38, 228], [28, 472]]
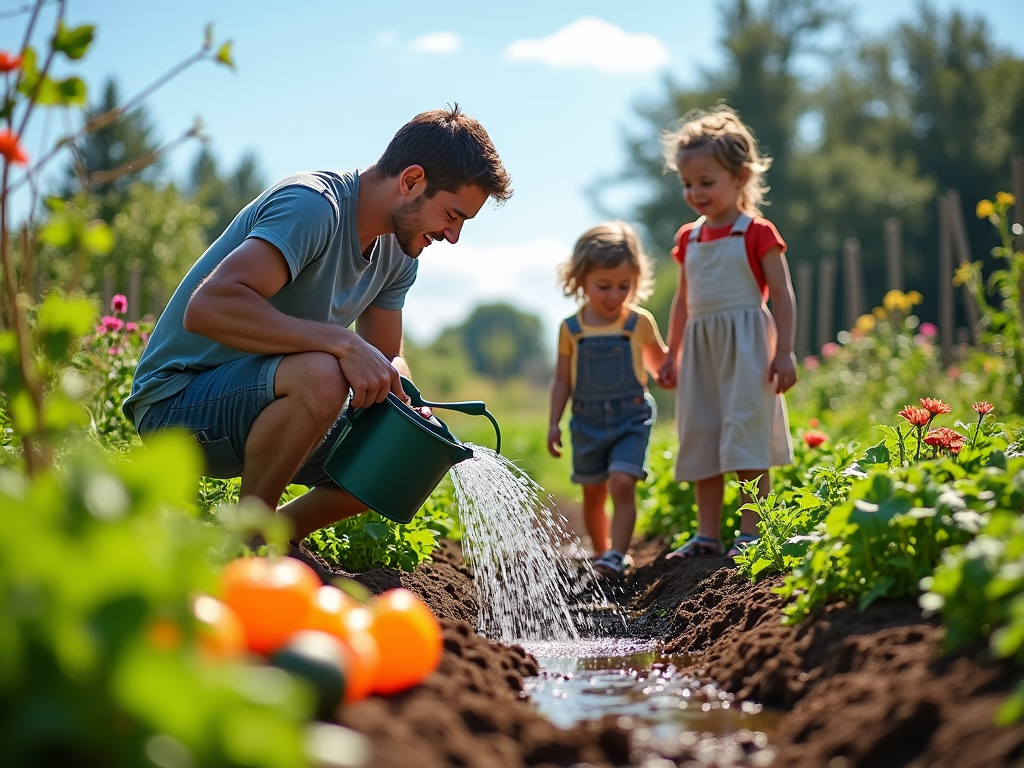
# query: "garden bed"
[[859, 688]]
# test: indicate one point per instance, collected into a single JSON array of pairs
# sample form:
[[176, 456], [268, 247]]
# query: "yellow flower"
[[879, 313], [894, 300], [962, 274], [985, 209], [865, 323], [1005, 199], [914, 297]]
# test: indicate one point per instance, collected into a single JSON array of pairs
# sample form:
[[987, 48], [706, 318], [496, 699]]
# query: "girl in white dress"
[[736, 357]]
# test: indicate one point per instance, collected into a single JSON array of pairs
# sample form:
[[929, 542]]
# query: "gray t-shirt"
[[311, 218]]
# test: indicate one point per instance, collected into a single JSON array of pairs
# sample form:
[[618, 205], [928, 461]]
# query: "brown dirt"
[[860, 689]]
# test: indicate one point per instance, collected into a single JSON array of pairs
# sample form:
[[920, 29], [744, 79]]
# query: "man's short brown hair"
[[454, 151]]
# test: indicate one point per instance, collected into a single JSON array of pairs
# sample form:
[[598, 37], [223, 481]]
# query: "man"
[[253, 354]]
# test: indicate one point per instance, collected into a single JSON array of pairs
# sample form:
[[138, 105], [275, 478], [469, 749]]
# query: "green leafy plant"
[[369, 541], [979, 591], [1002, 319], [891, 531]]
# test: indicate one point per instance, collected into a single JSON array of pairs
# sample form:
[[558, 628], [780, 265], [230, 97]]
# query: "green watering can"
[[390, 458]]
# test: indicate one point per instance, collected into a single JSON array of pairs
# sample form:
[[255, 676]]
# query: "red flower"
[[935, 407], [983, 408], [916, 416], [813, 438], [814, 423], [9, 62], [11, 148], [944, 437]]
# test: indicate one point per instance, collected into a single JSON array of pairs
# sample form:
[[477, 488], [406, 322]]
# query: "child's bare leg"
[[623, 490], [594, 516], [748, 523], [710, 493]]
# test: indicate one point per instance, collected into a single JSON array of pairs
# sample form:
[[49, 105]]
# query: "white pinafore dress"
[[728, 412]]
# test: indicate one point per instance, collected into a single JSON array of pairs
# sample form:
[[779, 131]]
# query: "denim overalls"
[[612, 413]]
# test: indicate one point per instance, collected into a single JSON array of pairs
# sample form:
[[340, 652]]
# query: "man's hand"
[[555, 441], [783, 371], [369, 373]]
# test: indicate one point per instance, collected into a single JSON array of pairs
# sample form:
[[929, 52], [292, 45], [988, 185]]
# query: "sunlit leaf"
[[224, 55], [73, 43]]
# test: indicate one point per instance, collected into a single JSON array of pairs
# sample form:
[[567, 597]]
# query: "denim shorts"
[[218, 408], [610, 436]]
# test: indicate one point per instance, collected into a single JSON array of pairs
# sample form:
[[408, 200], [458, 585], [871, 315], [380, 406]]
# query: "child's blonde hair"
[[730, 142], [606, 246]]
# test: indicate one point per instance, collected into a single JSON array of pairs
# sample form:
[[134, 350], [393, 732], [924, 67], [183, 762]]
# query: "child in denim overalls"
[[604, 353], [736, 357]]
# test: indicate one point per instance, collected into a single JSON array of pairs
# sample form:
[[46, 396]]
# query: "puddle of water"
[[670, 715], [528, 589]]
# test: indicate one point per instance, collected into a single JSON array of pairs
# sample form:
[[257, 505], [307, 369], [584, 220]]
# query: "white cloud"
[[437, 42], [595, 43], [453, 279]]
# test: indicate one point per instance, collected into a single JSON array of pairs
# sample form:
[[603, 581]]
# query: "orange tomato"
[[326, 610], [363, 653], [270, 596], [409, 638], [334, 612], [220, 633]]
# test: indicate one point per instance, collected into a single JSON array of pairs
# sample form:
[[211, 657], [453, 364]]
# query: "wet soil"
[[868, 689]]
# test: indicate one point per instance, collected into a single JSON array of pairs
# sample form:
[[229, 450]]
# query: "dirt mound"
[[861, 689]]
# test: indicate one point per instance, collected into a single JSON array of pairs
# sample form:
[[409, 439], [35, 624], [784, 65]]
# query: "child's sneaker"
[[611, 564]]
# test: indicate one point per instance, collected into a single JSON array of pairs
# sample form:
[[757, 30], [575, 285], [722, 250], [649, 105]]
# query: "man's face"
[[420, 221]]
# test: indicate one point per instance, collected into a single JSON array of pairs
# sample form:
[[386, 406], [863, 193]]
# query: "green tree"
[[224, 195], [499, 340], [110, 158]]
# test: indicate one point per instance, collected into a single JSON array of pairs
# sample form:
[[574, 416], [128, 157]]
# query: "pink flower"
[[830, 349], [112, 324], [114, 351], [131, 327], [983, 408], [811, 363], [928, 329], [944, 437], [144, 336], [814, 438], [119, 304]]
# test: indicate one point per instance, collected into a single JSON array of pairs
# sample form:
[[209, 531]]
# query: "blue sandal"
[[698, 546], [743, 541]]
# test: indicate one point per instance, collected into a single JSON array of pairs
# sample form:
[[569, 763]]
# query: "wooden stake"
[[894, 254], [804, 283], [958, 232], [134, 293], [946, 328], [854, 281], [826, 300]]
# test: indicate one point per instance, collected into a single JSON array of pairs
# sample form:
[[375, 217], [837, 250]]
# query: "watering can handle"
[[471, 407]]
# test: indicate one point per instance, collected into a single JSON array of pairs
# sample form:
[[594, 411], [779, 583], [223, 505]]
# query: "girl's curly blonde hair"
[[730, 142], [606, 246]]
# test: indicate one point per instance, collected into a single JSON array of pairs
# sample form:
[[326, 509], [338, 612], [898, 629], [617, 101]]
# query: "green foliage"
[[890, 531], [499, 340], [224, 195], [979, 590], [99, 564], [1002, 319], [106, 362], [369, 541]]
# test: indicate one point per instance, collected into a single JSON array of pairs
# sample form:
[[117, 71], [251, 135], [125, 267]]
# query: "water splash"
[[529, 588]]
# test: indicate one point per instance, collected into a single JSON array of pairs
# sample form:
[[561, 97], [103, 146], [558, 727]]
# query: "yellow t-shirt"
[[646, 330]]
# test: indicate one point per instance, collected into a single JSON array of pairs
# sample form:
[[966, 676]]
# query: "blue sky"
[[324, 85]]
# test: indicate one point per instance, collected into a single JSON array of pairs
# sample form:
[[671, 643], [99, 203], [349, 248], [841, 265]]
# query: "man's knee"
[[314, 378]]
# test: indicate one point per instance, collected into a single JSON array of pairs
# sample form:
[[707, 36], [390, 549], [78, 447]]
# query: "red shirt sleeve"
[[761, 237], [682, 239]]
